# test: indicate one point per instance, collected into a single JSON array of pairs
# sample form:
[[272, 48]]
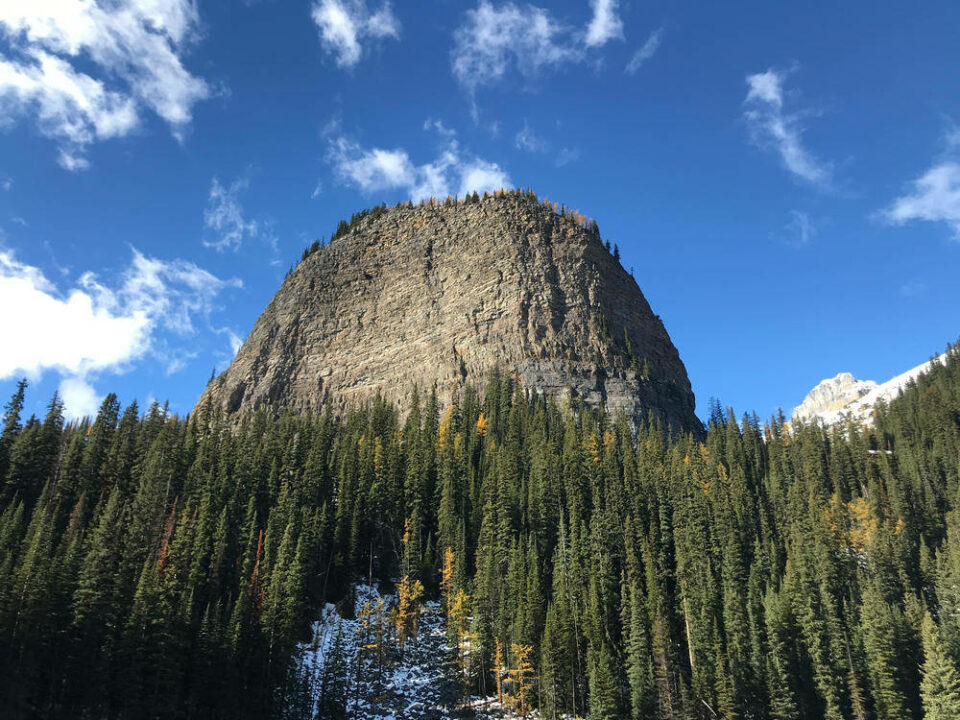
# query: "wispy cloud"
[[224, 217], [801, 228], [935, 195], [646, 51], [913, 288], [377, 169], [495, 40], [605, 25], [773, 127], [528, 140], [86, 71], [234, 342], [94, 327], [178, 361], [347, 26]]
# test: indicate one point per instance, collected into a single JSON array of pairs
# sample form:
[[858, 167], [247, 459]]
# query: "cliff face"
[[437, 296]]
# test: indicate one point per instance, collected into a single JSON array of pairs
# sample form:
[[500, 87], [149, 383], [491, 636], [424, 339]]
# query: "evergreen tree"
[[940, 688]]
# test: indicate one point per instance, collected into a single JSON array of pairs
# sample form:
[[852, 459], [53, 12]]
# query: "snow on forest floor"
[[348, 681]]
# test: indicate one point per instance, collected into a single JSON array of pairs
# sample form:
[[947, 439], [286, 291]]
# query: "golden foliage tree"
[[497, 668], [446, 577], [482, 425], [521, 677], [407, 611]]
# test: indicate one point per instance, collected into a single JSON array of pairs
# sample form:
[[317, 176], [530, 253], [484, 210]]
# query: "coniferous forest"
[[153, 566]]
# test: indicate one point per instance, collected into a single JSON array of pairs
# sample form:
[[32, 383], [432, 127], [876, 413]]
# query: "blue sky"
[[784, 179]]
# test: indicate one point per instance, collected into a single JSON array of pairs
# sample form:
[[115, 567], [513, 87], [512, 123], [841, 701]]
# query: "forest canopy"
[[166, 567]]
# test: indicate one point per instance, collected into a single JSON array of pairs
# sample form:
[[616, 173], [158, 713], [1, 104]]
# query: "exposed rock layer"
[[437, 296]]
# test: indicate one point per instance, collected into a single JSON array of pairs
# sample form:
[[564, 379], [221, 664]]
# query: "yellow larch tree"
[[482, 425], [521, 676], [408, 610], [446, 578], [497, 668], [458, 615]]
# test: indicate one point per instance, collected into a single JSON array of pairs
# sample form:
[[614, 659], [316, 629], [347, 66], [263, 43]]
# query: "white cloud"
[[935, 195], [178, 360], [527, 139], [235, 341], [647, 51], [224, 216], [605, 25], [767, 86], [372, 169], [74, 334], [171, 292], [345, 24], [439, 127], [80, 398], [801, 228], [482, 176], [773, 128], [92, 327], [495, 39], [86, 70], [6, 183], [376, 169]]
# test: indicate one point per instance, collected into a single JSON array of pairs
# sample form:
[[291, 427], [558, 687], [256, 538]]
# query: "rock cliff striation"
[[438, 295]]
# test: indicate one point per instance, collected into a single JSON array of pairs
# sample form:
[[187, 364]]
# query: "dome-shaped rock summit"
[[437, 295]]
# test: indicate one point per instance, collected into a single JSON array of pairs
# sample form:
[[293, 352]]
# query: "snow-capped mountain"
[[844, 396]]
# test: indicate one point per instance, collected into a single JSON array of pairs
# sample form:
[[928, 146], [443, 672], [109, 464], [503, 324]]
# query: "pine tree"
[[603, 687], [940, 688], [11, 426], [882, 629]]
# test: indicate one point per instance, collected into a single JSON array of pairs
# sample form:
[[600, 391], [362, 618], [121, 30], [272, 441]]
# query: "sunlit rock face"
[[832, 395], [843, 398], [436, 296]]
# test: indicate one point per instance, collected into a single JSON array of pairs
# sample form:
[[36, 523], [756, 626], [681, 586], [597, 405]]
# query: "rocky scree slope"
[[437, 295]]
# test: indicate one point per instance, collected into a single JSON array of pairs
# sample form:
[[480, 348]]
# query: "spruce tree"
[[940, 688]]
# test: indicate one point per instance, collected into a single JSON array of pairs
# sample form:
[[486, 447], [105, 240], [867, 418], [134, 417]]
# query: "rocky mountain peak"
[[831, 395], [843, 397], [436, 295]]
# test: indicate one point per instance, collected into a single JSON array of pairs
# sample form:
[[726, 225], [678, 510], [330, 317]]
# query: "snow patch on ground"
[[422, 683]]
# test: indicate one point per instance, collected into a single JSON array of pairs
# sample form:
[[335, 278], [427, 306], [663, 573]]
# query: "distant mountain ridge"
[[844, 397]]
